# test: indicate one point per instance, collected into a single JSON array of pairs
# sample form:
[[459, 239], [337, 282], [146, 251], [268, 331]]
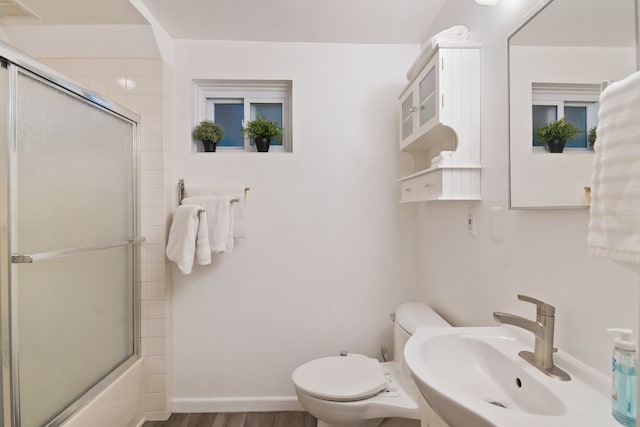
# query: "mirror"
[[558, 60]]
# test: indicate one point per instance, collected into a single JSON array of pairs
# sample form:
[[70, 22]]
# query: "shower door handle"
[[45, 256]]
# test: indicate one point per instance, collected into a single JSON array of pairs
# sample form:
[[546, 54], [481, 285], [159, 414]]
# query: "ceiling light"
[[487, 2]]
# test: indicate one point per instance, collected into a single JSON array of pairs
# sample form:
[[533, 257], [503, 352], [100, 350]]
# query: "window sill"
[[567, 150], [229, 150]]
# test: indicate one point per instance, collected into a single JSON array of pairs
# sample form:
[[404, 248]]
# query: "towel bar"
[[181, 192], [45, 256]]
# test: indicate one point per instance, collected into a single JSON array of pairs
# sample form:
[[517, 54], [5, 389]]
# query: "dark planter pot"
[[209, 146], [262, 144], [557, 145]]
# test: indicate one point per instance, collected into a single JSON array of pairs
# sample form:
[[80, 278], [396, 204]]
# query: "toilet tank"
[[408, 317]]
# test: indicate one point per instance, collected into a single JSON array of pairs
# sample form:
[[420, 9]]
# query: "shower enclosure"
[[68, 243]]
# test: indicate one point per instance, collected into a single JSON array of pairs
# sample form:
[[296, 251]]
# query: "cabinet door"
[[430, 419], [419, 107], [428, 96], [428, 90], [407, 118]]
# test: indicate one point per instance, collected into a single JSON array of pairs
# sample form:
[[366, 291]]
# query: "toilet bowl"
[[359, 391]]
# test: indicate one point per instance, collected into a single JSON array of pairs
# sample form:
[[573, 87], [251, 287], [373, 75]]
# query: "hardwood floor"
[[243, 419], [257, 419]]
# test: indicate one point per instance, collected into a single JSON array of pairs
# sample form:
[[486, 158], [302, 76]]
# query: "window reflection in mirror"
[[576, 103], [557, 62]]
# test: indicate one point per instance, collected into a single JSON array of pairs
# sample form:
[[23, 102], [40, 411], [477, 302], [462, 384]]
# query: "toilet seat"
[[341, 378]]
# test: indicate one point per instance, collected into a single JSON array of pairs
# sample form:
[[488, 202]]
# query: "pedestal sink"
[[473, 377]]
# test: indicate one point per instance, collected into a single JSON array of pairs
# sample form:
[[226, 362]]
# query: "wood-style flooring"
[[257, 419]]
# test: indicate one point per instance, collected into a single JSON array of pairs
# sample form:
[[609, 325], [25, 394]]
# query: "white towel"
[[455, 34], [203, 246], [220, 219], [444, 158], [614, 227], [188, 238], [239, 208]]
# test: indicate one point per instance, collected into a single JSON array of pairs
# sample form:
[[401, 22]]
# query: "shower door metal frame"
[[17, 62]]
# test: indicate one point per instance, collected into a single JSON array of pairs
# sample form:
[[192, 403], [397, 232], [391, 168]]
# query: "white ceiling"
[[350, 21], [79, 12], [339, 21]]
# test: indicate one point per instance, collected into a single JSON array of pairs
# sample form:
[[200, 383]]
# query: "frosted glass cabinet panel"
[[419, 103], [407, 116], [428, 97]]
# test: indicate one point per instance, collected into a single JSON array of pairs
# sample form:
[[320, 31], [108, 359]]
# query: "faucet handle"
[[543, 308]]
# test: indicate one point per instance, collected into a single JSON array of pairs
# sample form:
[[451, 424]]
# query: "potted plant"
[[262, 131], [209, 133], [556, 133], [592, 135]]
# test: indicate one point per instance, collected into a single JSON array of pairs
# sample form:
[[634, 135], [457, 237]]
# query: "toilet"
[[359, 391]]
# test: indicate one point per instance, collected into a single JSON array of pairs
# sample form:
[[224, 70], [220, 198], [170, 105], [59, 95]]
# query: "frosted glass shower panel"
[[75, 173], [75, 318], [75, 180]]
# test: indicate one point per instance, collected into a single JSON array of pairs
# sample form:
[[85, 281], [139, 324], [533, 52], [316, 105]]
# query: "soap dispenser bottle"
[[625, 378]]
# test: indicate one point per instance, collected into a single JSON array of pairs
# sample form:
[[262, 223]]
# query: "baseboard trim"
[[236, 404]]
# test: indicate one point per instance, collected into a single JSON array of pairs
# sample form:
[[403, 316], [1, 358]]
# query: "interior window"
[[577, 103], [230, 103], [577, 115], [229, 113], [542, 114]]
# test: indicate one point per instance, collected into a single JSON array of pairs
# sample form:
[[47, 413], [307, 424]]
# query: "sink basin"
[[474, 377]]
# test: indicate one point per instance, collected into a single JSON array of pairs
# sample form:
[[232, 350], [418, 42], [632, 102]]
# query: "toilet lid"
[[340, 378]]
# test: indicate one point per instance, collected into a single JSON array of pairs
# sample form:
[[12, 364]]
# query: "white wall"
[[537, 253], [328, 253]]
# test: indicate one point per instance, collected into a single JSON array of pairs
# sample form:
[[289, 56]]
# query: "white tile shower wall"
[[170, 201], [138, 85]]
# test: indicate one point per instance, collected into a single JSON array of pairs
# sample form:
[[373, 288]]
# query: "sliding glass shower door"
[[72, 225], [4, 246]]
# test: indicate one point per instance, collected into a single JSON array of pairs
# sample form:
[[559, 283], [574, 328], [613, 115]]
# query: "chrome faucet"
[[542, 328]]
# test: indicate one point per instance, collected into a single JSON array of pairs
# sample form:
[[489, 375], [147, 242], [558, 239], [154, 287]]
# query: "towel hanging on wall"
[[220, 218], [189, 238], [614, 226], [239, 210]]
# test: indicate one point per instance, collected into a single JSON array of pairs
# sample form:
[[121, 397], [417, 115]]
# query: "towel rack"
[[181, 192], [45, 256]]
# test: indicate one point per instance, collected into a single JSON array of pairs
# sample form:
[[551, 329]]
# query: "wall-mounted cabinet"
[[440, 126]]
